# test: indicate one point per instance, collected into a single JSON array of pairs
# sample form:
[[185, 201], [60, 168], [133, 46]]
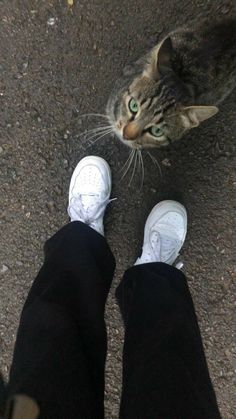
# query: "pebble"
[[66, 134], [4, 269], [51, 205], [65, 163], [19, 263], [166, 162], [1, 150], [24, 66], [58, 190], [225, 10], [228, 353], [51, 21]]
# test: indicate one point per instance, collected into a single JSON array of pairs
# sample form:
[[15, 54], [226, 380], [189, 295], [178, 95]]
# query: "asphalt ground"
[[58, 63]]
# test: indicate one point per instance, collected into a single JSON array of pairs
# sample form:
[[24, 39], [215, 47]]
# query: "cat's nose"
[[130, 132]]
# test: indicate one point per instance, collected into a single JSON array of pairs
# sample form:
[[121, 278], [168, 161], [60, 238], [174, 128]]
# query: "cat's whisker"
[[95, 133], [142, 167], [139, 167], [90, 131], [129, 161], [155, 162], [100, 136], [101, 115], [126, 162], [135, 164], [139, 162]]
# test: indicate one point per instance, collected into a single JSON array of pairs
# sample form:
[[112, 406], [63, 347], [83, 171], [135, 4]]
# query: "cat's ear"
[[192, 116], [160, 60], [164, 54]]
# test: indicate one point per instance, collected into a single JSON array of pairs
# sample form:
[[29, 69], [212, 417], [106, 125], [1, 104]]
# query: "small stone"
[[227, 353], [4, 269], [225, 10], [65, 163], [25, 66], [19, 263], [58, 190], [27, 215], [95, 46], [51, 206], [51, 21], [13, 174], [166, 162], [112, 23], [1, 150], [153, 190]]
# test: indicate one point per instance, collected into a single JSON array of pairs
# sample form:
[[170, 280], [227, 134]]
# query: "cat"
[[176, 86]]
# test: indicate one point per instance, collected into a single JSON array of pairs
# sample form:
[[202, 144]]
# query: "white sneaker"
[[164, 233], [89, 192]]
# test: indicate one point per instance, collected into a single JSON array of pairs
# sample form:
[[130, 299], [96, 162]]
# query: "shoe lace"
[[92, 212], [164, 244]]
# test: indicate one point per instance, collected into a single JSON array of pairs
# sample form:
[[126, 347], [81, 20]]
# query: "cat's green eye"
[[156, 131], [133, 106]]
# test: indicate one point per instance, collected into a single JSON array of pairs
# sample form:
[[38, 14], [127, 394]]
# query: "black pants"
[[60, 351]]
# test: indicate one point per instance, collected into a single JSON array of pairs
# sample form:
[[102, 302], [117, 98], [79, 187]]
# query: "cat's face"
[[143, 116], [146, 111]]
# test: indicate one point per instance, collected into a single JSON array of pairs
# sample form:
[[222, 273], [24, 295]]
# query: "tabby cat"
[[176, 86]]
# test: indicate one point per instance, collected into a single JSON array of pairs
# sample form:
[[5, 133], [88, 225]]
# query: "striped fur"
[[177, 85]]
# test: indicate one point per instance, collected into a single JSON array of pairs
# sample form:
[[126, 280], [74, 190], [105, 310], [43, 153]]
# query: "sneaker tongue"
[[89, 201]]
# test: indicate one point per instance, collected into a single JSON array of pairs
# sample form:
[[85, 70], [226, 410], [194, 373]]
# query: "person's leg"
[[60, 350], [165, 375], [2, 395]]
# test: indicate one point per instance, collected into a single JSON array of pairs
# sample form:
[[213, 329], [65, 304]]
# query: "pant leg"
[[165, 375], [2, 395], [60, 349]]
